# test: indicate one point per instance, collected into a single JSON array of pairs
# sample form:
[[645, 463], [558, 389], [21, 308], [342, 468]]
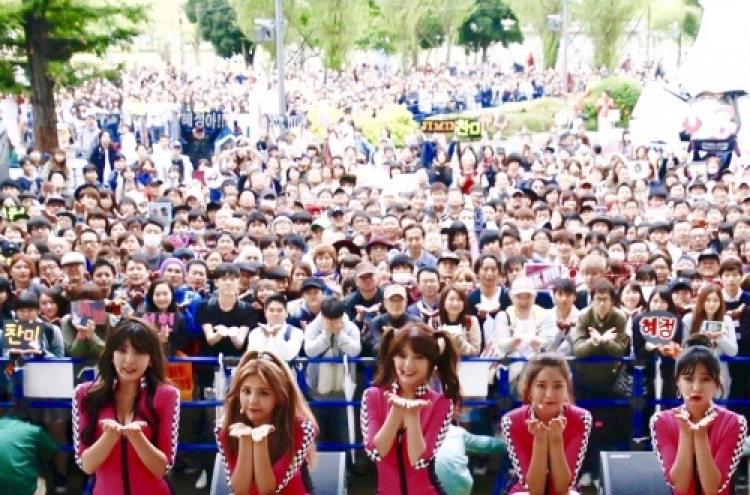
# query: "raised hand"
[[132, 429], [110, 426], [537, 428], [261, 432], [238, 430], [556, 426]]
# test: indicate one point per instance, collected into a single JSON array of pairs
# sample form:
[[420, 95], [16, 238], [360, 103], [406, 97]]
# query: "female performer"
[[547, 436], [267, 437], [125, 423], [699, 444], [403, 420]]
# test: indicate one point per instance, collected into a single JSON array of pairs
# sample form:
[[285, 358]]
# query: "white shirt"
[[277, 342]]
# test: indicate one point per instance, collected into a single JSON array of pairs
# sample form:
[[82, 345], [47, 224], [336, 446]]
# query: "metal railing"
[[500, 396]]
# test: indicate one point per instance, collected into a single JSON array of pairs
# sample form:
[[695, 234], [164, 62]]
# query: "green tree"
[[606, 22], [450, 15], [42, 36], [217, 24], [338, 25], [299, 18], [535, 13], [485, 27], [679, 19], [401, 21]]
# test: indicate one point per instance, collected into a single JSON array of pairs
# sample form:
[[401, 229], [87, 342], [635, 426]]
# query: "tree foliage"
[[485, 27], [337, 25], [450, 15], [40, 37], [217, 24], [606, 22], [682, 16], [535, 14]]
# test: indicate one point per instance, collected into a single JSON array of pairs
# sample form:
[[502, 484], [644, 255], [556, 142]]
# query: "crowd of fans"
[[283, 241]]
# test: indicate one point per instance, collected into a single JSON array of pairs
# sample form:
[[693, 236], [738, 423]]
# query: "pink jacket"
[[726, 435], [395, 474], [288, 469], [123, 472], [521, 442]]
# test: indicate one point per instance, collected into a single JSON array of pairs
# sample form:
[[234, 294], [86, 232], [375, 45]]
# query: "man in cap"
[[305, 309], [395, 302], [365, 303]]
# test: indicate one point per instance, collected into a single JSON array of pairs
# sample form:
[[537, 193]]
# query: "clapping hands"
[[257, 434]]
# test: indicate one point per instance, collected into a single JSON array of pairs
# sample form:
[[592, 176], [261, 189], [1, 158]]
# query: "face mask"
[[401, 278], [152, 240]]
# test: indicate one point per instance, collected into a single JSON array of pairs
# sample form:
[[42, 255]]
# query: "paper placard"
[[86, 310], [163, 322], [38, 385], [181, 376], [544, 275], [658, 327], [21, 336], [472, 376], [162, 213]]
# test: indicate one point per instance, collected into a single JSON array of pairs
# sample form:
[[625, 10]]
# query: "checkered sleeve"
[[221, 443], [371, 420], [168, 406], [80, 421], [729, 454], [307, 433], [437, 427]]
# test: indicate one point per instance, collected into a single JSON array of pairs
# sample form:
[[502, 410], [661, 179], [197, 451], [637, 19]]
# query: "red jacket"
[[134, 478], [521, 442], [726, 435], [287, 470], [395, 474]]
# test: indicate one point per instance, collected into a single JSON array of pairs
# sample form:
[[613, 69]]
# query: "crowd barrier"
[[501, 397]]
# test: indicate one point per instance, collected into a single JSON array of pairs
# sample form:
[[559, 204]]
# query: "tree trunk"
[[42, 85], [550, 49], [485, 49]]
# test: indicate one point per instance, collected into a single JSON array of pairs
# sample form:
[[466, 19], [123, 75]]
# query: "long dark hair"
[[143, 337], [151, 307], [699, 313], [426, 342]]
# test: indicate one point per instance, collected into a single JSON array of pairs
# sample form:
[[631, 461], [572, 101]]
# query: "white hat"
[[522, 285], [72, 258]]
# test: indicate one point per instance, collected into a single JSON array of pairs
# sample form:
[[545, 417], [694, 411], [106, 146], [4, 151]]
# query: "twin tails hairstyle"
[[290, 403], [435, 345]]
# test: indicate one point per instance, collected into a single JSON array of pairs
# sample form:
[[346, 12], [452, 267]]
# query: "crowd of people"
[[193, 237]]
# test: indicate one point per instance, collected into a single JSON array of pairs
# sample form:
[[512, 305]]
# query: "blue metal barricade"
[[504, 399]]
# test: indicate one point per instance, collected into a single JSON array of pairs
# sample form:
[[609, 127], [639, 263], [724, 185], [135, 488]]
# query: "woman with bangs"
[[125, 423], [710, 318], [699, 444], [547, 436], [403, 420], [267, 437]]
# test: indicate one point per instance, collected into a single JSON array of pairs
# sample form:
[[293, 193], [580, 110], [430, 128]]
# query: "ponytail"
[[446, 367]]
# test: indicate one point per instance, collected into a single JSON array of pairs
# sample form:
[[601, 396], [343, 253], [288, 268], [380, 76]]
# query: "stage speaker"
[[627, 473]]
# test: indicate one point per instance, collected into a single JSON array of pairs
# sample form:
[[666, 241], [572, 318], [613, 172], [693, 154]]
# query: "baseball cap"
[[522, 285], [395, 290], [366, 268], [72, 258]]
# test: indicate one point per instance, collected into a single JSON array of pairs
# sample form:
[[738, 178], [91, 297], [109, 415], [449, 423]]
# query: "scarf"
[[430, 315]]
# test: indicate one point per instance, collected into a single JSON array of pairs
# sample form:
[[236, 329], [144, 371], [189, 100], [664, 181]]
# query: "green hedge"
[[396, 118], [625, 92], [534, 116]]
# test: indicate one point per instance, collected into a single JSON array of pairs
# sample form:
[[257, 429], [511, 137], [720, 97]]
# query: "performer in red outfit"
[[547, 436], [266, 438], [699, 444], [403, 421], [125, 424]]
